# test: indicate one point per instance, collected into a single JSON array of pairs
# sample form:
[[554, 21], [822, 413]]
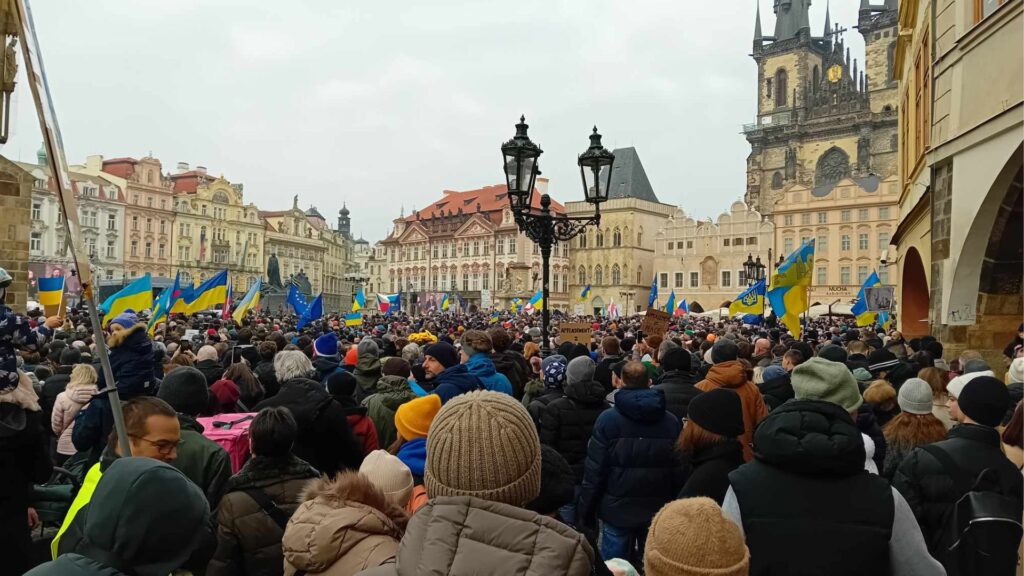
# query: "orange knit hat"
[[352, 356]]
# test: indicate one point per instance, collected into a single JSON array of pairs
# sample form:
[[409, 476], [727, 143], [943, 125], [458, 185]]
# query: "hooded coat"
[[464, 536], [567, 422], [454, 381], [679, 388], [325, 439], [731, 375], [141, 521], [361, 424], [248, 540], [52, 388], [392, 392], [480, 365], [367, 373], [340, 529], [202, 460], [69, 403], [632, 467], [326, 367], [211, 369], [515, 367]]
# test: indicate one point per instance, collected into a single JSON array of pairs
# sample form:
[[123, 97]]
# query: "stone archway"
[[914, 299]]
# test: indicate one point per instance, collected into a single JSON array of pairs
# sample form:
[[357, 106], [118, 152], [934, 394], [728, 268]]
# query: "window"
[[149, 224], [883, 275], [583, 240], [845, 242], [694, 279], [640, 238], [135, 223], [476, 281], [111, 250], [161, 252], [725, 242], [600, 239], [781, 88], [776, 180], [883, 240], [844, 215], [135, 199], [726, 278], [805, 219], [598, 275], [737, 241], [616, 275], [787, 220], [149, 249], [581, 276], [862, 274], [984, 8], [109, 274], [89, 218], [476, 247], [822, 276], [844, 275], [787, 245], [465, 280], [751, 240], [689, 244], [663, 280], [203, 209], [90, 246], [741, 277], [862, 241], [184, 253], [486, 245], [433, 251], [822, 217], [617, 238], [883, 213], [134, 251], [862, 214], [149, 201], [35, 242], [37, 208], [163, 204], [679, 280], [511, 244], [163, 226]]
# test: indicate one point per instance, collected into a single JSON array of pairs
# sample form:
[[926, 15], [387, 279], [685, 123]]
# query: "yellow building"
[[292, 238], [215, 229], [962, 145]]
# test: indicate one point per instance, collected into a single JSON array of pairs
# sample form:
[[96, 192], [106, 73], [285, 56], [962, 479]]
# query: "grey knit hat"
[[580, 369], [820, 379], [483, 444], [915, 397]]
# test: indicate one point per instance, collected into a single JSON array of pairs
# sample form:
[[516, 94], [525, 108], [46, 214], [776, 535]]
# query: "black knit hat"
[[984, 400], [70, 356], [676, 359], [185, 389], [724, 350], [556, 482], [444, 353], [881, 360], [341, 384], [833, 353], [718, 411]]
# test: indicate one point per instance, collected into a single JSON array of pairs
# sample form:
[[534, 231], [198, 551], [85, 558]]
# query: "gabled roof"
[[629, 180], [489, 199]]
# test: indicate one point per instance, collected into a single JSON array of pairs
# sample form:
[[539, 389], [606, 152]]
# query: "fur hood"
[[118, 338], [24, 395], [352, 487]]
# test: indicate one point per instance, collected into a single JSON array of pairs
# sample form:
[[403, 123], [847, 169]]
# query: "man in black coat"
[[325, 439], [677, 381], [508, 362], [611, 354], [264, 369], [632, 467], [973, 446]]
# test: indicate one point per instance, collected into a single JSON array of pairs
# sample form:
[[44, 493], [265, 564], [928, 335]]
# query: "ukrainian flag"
[[162, 305], [181, 297], [136, 296], [51, 290], [515, 304], [750, 301], [537, 301], [671, 306], [360, 301], [354, 319], [788, 295], [495, 316], [210, 293], [250, 301], [860, 307], [445, 301], [585, 292]]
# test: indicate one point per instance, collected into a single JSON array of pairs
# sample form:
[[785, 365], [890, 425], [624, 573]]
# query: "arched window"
[[777, 181], [583, 240], [640, 238], [600, 239], [582, 275], [816, 78], [639, 274], [617, 238], [781, 87], [616, 275], [598, 275], [833, 166]]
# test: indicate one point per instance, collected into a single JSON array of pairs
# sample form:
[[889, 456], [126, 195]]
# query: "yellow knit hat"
[[412, 419], [483, 444], [691, 537]]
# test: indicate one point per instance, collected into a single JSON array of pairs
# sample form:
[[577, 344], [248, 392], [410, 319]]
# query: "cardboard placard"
[[655, 322], [578, 332]]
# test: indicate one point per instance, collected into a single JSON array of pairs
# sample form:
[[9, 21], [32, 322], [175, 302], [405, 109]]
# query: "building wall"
[[692, 259], [15, 224], [638, 221]]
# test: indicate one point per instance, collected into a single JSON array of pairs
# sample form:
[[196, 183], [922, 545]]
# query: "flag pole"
[[108, 372]]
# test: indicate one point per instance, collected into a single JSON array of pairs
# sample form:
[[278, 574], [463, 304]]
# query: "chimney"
[[201, 170], [182, 168], [94, 162]]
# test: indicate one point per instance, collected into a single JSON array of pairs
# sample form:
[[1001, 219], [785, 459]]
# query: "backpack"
[[982, 531], [231, 432]]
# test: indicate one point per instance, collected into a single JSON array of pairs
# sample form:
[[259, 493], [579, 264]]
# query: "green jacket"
[[367, 372], [202, 460], [392, 392]]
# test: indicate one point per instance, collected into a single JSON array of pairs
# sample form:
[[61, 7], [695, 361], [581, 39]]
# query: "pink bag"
[[231, 432]]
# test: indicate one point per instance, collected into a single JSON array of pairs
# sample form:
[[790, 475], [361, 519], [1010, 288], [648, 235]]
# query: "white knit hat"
[[1016, 371], [956, 385], [390, 475]]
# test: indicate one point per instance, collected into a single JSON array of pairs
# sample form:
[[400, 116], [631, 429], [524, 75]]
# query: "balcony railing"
[[777, 119]]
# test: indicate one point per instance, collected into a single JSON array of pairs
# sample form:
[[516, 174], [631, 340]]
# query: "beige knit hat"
[[483, 444], [390, 475], [691, 537]]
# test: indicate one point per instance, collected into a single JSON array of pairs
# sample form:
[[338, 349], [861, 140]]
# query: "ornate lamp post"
[[520, 160]]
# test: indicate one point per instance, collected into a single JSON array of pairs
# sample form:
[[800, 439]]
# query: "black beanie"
[[718, 411], [556, 482], [880, 360], [676, 359], [833, 353], [724, 350], [185, 389], [444, 353], [985, 400], [341, 384], [70, 356]]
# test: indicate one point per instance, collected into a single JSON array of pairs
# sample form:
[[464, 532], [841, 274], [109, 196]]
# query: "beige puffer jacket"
[[461, 535], [343, 526]]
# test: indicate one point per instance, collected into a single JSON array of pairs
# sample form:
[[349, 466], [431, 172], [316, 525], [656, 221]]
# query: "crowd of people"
[[448, 444]]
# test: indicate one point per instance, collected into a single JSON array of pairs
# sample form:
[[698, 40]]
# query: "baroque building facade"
[[822, 117]]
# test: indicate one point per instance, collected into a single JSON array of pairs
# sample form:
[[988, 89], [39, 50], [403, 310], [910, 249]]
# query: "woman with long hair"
[[249, 387], [938, 379], [68, 404], [715, 419], [914, 426]]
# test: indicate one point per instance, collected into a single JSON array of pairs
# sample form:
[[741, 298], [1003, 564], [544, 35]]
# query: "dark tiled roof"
[[629, 180]]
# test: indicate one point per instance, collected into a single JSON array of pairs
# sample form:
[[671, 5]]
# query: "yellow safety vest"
[[92, 478]]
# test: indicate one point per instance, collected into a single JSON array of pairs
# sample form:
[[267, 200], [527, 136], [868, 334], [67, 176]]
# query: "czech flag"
[[51, 290], [683, 308]]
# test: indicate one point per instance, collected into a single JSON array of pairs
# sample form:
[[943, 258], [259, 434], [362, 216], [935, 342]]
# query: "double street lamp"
[[520, 161]]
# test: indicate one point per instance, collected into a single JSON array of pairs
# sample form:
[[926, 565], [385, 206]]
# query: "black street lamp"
[[750, 269], [520, 160]]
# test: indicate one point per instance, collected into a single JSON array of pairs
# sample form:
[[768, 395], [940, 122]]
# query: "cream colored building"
[[617, 259], [962, 155], [294, 239], [702, 261], [851, 225]]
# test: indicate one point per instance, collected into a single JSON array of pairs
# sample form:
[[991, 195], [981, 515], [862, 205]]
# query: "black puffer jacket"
[[711, 465], [929, 488], [515, 367], [211, 369], [679, 389], [868, 425], [603, 372], [567, 422], [632, 467], [539, 402], [248, 540], [325, 439], [25, 460]]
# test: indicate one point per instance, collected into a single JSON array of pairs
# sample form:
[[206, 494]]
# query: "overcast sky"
[[385, 104]]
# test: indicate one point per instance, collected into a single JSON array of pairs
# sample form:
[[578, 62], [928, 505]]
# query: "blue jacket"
[[454, 381], [414, 455], [632, 467], [482, 367]]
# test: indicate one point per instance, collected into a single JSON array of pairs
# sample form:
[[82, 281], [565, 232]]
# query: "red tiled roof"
[[187, 181], [492, 200], [120, 167]]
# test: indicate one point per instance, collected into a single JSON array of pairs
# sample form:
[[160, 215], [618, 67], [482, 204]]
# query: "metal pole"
[[108, 373], [545, 253]]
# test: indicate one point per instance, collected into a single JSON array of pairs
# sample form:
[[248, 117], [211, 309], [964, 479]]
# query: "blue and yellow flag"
[[788, 295], [860, 310], [671, 306], [210, 293], [250, 301], [515, 304], [495, 316], [446, 302], [585, 292], [51, 290], [136, 296], [354, 319], [360, 300], [181, 297], [537, 301], [750, 301], [163, 305]]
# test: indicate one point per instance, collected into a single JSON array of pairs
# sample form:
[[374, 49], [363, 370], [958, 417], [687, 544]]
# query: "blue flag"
[[314, 311], [297, 300], [654, 292]]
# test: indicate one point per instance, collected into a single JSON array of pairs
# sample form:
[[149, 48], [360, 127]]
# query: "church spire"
[[828, 19], [791, 16], [757, 22]]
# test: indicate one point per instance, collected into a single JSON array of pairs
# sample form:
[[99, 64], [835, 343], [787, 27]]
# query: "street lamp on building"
[[520, 158]]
